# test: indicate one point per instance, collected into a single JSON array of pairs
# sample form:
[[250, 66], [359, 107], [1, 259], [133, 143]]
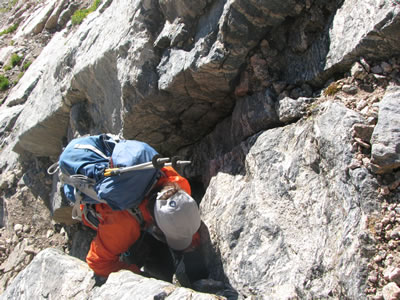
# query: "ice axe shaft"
[[157, 163]]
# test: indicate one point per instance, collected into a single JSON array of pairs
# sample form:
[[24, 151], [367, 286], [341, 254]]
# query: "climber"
[[146, 220], [171, 220]]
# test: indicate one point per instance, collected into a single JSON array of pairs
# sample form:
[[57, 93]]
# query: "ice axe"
[[157, 162]]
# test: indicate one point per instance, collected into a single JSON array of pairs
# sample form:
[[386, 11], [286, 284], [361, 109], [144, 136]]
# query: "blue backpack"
[[82, 165]]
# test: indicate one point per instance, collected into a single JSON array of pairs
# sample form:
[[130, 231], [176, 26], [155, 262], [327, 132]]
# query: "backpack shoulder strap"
[[88, 212], [137, 214]]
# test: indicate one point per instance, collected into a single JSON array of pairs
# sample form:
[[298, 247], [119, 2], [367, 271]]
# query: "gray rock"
[[349, 89], [8, 118], [285, 206], [5, 54], [125, 283], [183, 9], [16, 257], [287, 222], [61, 277], [41, 123], [18, 228], [377, 69], [364, 132], [81, 243], [392, 274], [66, 14], [53, 274], [345, 40], [365, 64], [290, 110], [169, 98], [386, 137], [250, 115], [279, 86], [37, 20], [391, 291], [52, 21], [386, 67], [357, 71], [172, 35]]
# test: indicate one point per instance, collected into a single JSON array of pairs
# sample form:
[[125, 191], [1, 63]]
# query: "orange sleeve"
[[172, 176], [116, 233]]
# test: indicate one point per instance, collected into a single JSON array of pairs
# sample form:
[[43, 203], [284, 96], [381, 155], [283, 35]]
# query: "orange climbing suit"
[[118, 230]]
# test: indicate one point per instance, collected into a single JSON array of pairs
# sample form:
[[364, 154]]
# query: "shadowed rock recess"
[[289, 111]]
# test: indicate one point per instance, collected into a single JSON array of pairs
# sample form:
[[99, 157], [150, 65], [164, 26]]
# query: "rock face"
[[56, 275], [289, 222], [290, 163], [171, 94]]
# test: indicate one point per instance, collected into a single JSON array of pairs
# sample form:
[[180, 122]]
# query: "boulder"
[[53, 274], [386, 136], [291, 110], [125, 283], [41, 124], [286, 217]]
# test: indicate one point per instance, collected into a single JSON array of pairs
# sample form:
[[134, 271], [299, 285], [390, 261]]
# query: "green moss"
[[4, 83], [10, 29], [81, 14]]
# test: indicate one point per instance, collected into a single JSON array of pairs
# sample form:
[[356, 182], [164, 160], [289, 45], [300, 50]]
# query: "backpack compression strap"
[[91, 148]]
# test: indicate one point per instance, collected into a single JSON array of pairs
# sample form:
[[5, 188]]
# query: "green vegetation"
[[81, 14], [4, 83], [332, 89], [10, 29], [26, 65], [15, 59]]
